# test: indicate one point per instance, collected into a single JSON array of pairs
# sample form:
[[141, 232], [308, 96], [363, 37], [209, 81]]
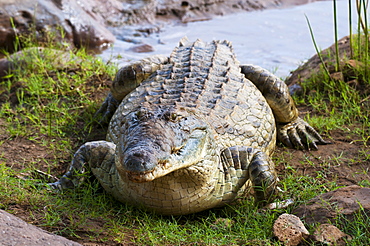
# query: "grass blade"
[[336, 35], [315, 45], [350, 27]]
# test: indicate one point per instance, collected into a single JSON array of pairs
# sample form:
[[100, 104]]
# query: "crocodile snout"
[[139, 163]]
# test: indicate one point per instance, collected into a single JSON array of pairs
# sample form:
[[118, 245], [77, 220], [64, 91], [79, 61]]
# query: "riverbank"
[[47, 113], [276, 39], [100, 22]]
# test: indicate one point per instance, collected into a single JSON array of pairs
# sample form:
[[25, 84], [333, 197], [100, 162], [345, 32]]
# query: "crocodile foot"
[[299, 134], [106, 111], [279, 205]]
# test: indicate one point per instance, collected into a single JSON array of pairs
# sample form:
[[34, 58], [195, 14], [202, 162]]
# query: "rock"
[[330, 235], [313, 65], [142, 48], [14, 231], [78, 21], [5, 67], [91, 23], [290, 230], [155, 13], [347, 70], [346, 201], [61, 59]]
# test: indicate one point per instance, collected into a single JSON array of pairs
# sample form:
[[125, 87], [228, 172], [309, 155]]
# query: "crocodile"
[[191, 132]]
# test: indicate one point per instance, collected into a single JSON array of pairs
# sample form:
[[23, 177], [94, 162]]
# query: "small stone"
[[280, 204], [330, 235], [290, 230], [142, 48]]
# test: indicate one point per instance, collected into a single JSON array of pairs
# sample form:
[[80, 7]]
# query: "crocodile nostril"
[[184, 4], [139, 163], [135, 165]]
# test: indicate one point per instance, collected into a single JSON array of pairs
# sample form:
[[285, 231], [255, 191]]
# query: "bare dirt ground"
[[340, 161]]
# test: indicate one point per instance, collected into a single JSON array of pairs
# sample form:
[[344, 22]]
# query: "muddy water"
[[276, 39]]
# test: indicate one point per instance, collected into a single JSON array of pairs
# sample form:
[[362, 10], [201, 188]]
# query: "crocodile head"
[[156, 142]]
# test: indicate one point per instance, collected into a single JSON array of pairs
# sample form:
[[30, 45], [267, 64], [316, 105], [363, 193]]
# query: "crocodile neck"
[[195, 76]]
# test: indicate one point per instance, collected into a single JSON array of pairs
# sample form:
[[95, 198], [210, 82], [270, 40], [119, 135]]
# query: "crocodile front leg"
[[292, 130], [241, 164], [125, 81], [97, 155]]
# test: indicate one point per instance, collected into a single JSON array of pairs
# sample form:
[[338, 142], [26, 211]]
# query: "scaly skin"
[[191, 132]]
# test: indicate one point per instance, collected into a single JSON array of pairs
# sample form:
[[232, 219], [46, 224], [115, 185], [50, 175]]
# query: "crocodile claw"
[[300, 135], [106, 111]]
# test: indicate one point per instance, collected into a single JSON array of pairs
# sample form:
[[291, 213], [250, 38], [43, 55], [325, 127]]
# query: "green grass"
[[51, 99], [346, 101], [338, 103], [70, 212]]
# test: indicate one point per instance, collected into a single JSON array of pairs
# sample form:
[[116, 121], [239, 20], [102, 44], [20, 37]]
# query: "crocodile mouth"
[[161, 169], [140, 177]]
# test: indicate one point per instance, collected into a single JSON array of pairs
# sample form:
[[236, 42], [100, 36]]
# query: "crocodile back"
[[205, 79]]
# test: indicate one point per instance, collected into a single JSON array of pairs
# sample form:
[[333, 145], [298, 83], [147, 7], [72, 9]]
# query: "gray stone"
[[23, 58], [14, 231], [5, 67], [142, 48]]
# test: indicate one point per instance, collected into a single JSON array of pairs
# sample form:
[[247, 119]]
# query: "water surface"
[[276, 39]]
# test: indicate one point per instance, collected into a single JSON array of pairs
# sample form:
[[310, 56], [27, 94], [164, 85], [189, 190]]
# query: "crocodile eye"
[[170, 116], [173, 116]]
